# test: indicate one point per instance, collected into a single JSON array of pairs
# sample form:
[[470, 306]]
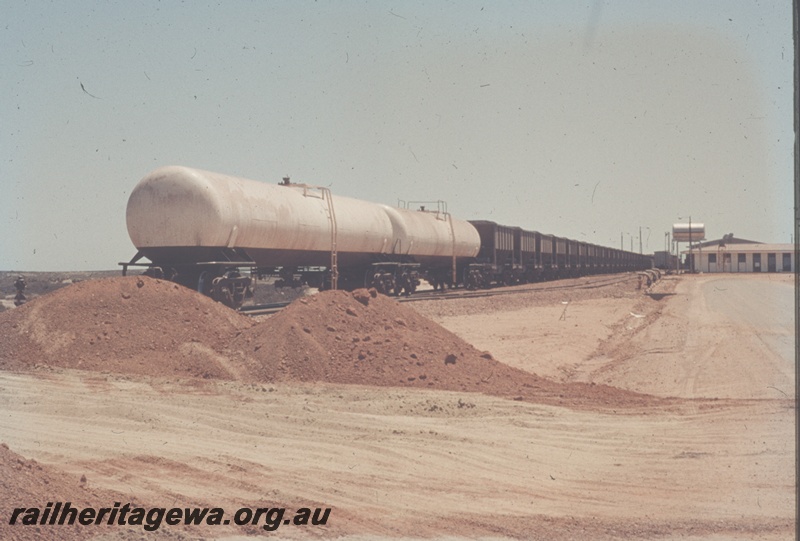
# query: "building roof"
[[727, 239], [753, 247]]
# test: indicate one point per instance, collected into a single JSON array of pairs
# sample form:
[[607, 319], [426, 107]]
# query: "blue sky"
[[584, 119]]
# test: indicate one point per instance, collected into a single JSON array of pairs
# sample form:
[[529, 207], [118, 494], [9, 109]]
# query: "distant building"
[[730, 254]]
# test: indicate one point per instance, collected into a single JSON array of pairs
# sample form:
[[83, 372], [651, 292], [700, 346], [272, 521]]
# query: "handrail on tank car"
[[441, 207], [441, 214]]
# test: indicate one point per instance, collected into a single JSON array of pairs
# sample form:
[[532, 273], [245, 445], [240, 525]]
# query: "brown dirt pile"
[[369, 339], [26, 483], [133, 325], [139, 325]]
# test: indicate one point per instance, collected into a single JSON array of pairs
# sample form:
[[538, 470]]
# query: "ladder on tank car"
[[328, 198], [326, 193]]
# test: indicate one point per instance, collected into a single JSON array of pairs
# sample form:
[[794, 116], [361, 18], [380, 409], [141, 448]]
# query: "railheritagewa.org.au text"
[[152, 518]]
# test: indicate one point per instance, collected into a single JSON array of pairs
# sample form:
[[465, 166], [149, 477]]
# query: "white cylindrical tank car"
[[691, 232], [199, 224]]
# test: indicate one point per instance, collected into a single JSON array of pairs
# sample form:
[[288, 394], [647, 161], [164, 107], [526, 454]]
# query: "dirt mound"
[[369, 339], [140, 325], [131, 324], [26, 483]]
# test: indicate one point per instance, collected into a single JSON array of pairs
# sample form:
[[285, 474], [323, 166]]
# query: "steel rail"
[[272, 308]]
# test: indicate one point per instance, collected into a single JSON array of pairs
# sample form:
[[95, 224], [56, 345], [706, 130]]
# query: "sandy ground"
[[392, 463]]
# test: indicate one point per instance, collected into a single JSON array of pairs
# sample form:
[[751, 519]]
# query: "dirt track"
[[714, 462]]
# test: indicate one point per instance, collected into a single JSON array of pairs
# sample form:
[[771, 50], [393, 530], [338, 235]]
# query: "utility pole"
[[691, 255]]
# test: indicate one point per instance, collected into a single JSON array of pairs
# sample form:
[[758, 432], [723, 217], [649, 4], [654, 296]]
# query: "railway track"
[[588, 283], [585, 283]]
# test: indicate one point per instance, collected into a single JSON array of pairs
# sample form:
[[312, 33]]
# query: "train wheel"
[[220, 292], [474, 280], [230, 289]]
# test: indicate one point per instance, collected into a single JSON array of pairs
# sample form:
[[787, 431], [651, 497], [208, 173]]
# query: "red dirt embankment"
[[27, 484], [369, 339], [127, 325], [138, 325]]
